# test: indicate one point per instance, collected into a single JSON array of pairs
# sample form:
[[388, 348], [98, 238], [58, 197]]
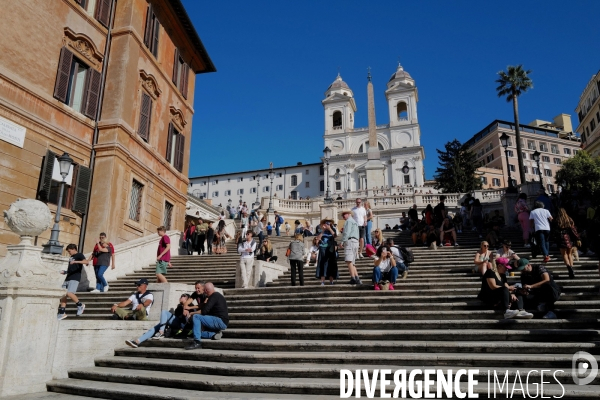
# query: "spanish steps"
[[287, 342]]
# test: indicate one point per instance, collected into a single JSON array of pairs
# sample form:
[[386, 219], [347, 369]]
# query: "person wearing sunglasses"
[[482, 259]]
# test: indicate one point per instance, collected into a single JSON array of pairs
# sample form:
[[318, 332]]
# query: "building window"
[[322, 186], [215, 194], [496, 182], [215, 182], [253, 190], [598, 116], [135, 201], [364, 148], [548, 172], [241, 179], [228, 193], [531, 145], [545, 159], [524, 156], [575, 152], [510, 153], [306, 184], [567, 151], [181, 72], [511, 168], [175, 148], [307, 171], [525, 169], [294, 195], [279, 187], [402, 111], [294, 180], [338, 185], [484, 180], [77, 85], [337, 120], [152, 31], [535, 171], [407, 179], [543, 147], [145, 116], [554, 149], [167, 215], [240, 191], [592, 125], [266, 188], [321, 170], [557, 161], [550, 188], [490, 158], [279, 175]]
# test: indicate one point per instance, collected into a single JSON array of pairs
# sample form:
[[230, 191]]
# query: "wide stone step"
[[510, 358], [122, 391], [500, 345], [304, 370]]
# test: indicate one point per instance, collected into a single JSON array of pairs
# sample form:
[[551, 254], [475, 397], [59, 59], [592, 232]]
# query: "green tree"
[[512, 84], [580, 176], [456, 173]]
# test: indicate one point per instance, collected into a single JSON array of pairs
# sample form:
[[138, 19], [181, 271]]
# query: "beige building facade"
[[111, 83], [555, 141], [588, 113]]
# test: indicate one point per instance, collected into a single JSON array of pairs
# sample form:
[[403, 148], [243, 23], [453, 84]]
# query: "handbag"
[[288, 252]]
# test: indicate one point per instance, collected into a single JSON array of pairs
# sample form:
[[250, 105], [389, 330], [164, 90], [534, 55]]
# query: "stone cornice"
[[129, 30], [150, 84], [178, 118], [84, 46]]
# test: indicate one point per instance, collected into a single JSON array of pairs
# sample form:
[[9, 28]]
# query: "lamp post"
[[326, 157], [271, 176], [536, 158], [257, 177], [53, 246], [504, 139], [348, 182]]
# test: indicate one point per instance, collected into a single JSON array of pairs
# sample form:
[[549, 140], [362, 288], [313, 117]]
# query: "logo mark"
[[584, 368]]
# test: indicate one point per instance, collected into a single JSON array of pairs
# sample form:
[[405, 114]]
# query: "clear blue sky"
[[275, 59]]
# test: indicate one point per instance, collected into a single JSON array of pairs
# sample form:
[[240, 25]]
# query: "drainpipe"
[[96, 119]]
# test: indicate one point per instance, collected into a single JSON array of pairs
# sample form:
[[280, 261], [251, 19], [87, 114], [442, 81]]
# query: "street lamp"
[[53, 246], [271, 176], [348, 182], [536, 158], [504, 139], [327, 156], [257, 177]]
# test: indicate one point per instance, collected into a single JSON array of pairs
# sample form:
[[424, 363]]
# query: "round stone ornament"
[[28, 217]]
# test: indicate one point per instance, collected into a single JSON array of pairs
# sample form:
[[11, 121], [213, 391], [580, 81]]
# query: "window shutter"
[[155, 37], [103, 12], [148, 31], [83, 185], [184, 80], [90, 104], [179, 152], [145, 115], [46, 176], [176, 67], [169, 142], [61, 86]]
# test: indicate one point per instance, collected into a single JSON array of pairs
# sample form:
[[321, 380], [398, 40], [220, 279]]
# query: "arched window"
[[402, 111], [337, 119], [294, 180], [294, 195], [365, 147]]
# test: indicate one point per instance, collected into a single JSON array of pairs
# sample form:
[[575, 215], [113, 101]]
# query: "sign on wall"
[[12, 133]]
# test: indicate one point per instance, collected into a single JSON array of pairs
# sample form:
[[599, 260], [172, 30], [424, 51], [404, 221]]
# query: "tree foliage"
[[580, 176], [457, 170]]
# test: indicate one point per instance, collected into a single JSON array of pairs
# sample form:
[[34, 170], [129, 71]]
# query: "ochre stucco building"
[[123, 112]]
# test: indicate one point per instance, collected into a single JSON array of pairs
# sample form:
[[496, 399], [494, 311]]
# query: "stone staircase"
[[288, 342]]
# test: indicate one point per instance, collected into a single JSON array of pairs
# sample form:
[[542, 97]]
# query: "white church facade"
[[398, 141], [401, 153]]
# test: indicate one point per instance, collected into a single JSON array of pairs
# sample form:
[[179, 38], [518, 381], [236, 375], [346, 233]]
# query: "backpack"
[[407, 254], [139, 298], [280, 220]]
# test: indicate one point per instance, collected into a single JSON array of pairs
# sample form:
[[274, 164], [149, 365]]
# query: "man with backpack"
[[402, 255], [141, 302], [278, 222]]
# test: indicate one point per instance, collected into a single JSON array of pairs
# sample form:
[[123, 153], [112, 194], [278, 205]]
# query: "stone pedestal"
[[166, 297], [329, 211], [375, 176], [29, 299]]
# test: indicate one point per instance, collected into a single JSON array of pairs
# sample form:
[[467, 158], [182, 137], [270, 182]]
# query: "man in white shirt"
[[246, 250], [540, 219], [140, 301], [359, 213]]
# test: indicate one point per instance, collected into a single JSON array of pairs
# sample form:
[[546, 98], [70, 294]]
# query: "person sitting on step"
[[140, 301], [447, 232], [175, 320], [385, 268], [313, 252], [483, 260], [266, 252], [540, 289], [212, 320], [493, 236], [496, 291], [506, 252], [400, 264]]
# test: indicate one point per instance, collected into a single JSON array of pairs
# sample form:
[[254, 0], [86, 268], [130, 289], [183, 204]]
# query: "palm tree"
[[512, 84]]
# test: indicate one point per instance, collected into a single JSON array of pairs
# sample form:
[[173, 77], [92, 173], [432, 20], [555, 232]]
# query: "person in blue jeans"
[[278, 222], [211, 320], [385, 268], [540, 219], [101, 256], [176, 320]]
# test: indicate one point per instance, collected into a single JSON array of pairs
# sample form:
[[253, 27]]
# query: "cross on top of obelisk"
[[369, 74]]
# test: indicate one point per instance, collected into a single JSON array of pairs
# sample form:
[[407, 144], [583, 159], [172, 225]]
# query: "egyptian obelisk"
[[374, 166]]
